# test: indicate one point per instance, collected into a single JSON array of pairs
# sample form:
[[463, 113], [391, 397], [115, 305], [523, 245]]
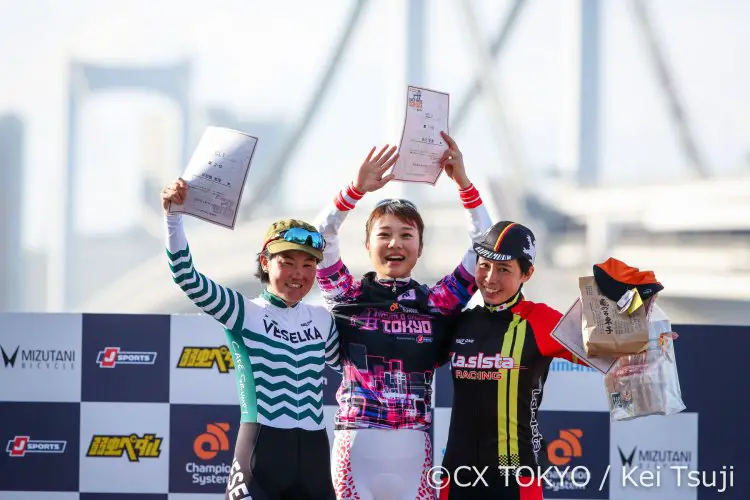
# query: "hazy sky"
[[262, 58]]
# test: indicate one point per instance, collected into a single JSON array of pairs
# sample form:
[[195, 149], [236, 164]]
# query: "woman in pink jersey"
[[391, 328]]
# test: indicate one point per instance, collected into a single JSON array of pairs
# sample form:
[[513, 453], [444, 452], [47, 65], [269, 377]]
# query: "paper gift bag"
[[607, 332]]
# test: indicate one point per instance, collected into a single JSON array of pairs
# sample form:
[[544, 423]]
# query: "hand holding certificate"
[[422, 145], [216, 176], [568, 333]]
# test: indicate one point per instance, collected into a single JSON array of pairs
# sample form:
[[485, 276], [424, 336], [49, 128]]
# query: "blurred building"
[[11, 208]]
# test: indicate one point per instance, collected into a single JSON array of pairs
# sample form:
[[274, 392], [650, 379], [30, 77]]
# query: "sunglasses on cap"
[[396, 201], [300, 236]]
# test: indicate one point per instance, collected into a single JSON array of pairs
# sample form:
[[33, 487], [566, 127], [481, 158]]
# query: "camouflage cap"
[[275, 240]]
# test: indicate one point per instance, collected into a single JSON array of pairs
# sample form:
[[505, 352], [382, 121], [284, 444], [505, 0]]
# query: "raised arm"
[[334, 278], [224, 304], [451, 294]]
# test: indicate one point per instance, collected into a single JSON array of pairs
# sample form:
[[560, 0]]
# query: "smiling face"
[[499, 281], [291, 274], [394, 246]]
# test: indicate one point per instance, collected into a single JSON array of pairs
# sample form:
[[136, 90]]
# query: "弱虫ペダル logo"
[[207, 357], [19, 446], [562, 450], [112, 356], [207, 445], [148, 446]]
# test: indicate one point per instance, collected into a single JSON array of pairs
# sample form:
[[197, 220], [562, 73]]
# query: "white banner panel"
[[41, 357], [652, 456], [124, 447], [201, 367]]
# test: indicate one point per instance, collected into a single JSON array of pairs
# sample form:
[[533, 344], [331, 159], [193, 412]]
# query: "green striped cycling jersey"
[[279, 351]]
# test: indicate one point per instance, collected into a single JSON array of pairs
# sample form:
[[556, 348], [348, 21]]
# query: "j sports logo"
[[568, 446], [112, 356], [207, 357], [21, 445], [210, 443], [148, 446]]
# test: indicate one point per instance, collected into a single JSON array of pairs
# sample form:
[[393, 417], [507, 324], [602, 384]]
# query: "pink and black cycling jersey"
[[391, 331]]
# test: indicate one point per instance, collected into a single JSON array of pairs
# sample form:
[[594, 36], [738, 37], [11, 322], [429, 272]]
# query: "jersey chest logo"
[[396, 321], [482, 361], [303, 335]]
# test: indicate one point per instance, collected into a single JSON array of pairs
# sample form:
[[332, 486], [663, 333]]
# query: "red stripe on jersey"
[[543, 319]]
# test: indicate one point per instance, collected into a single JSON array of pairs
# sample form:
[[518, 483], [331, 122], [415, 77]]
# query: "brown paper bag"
[[607, 332]]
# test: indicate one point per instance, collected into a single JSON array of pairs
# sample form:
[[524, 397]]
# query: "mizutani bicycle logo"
[[133, 446], [568, 446], [207, 358], [37, 359]]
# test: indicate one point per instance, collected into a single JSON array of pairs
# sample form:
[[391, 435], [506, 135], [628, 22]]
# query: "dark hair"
[[404, 212], [259, 272], [525, 265]]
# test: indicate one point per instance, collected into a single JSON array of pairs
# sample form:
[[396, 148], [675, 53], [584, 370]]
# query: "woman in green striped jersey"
[[280, 347]]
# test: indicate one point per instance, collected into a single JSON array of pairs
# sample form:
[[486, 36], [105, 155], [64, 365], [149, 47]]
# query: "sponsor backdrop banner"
[[118, 407]]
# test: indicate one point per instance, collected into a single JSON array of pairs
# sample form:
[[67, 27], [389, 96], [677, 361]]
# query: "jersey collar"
[[276, 300], [505, 305], [392, 282]]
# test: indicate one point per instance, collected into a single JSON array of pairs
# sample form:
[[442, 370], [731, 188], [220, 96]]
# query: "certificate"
[[569, 332], [216, 176], [422, 146]]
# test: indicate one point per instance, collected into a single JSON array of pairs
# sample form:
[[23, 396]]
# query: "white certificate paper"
[[216, 176], [422, 146], [570, 334]]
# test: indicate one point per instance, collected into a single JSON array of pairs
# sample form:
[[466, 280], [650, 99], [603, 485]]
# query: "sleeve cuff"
[[347, 198], [470, 197]]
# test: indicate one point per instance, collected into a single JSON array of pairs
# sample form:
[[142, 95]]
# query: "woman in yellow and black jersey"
[[500, 354]]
